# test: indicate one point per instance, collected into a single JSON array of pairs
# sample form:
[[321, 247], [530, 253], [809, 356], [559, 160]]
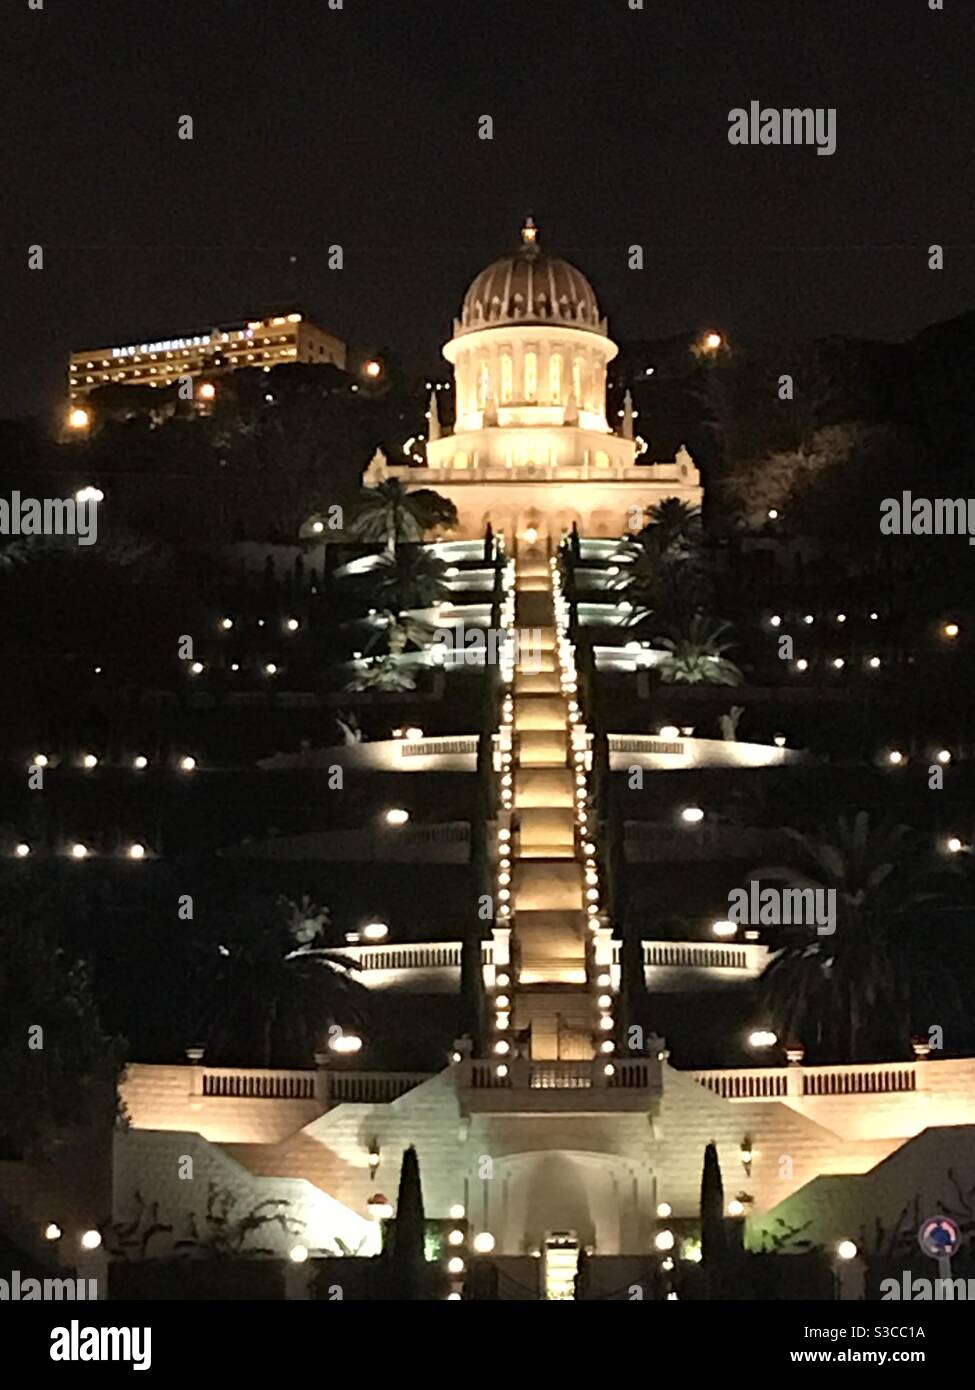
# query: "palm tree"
[[403, 579], [674, 524], [852, 989], [397, 631], [384, 673], [278, 986], [388, 512], [697, 655]]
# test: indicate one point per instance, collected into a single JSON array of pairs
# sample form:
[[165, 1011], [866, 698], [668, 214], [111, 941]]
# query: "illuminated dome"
[[529, 287]]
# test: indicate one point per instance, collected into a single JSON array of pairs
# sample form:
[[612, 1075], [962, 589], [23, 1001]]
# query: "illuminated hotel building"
[[256, 343]]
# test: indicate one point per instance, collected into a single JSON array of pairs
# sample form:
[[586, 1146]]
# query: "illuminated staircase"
[[552, 996]]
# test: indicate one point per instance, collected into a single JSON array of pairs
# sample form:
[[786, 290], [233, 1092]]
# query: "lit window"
[[577, 379], [531, 376], [555, 378], [506, 383], [483, 385]]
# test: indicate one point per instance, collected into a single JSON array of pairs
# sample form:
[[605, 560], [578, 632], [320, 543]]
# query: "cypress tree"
[[713, 1245], [408, 1259]]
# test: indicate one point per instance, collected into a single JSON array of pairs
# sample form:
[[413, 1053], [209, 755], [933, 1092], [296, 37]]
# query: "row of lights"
[[949, 630], [89, 761], [79, 850], [227, 624], [502, 982]]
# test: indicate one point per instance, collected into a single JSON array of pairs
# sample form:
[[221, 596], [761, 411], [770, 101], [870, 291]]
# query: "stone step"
[[537, 786], [546, 825], [537, 682], [540, 885], [535, 610], [540, 712], [542, 748]]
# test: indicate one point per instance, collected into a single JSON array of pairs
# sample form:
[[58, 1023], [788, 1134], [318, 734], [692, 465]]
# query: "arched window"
[[555, 378], [531, 376], [602, 458], [577, 380], [506, 378], [483, 385]]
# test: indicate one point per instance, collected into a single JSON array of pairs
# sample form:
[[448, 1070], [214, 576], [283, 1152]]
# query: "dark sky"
[[360, 127]]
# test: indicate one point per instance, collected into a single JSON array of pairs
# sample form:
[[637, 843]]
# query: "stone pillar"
[[793, 1080], [194, 1055], [322, 1088]]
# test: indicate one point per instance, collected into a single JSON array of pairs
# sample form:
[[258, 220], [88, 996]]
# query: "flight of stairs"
[[552, 993]]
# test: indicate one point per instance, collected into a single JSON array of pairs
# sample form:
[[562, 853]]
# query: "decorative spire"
[[627, 416], [529, 235], [434, 431]]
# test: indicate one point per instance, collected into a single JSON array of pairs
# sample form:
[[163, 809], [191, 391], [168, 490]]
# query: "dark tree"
[[407, 1256]]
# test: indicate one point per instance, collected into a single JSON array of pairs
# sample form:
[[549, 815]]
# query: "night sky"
[[360, 127]]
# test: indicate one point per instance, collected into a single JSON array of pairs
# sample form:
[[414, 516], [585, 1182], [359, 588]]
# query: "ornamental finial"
[[529, 232]]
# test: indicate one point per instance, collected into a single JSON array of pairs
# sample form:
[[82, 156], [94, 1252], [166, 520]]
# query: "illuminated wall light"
[[91, 1240], [605, 1001], [502, 1002], [607, 1046], [136, 851], [270, 669], [692, 815], [375, 931], [809, 619], [841, 617], [664, 1240], [950, 630], [874, 663], [196, 668], [954, 845], [396, 816], [724, 928], [779, 740], [502, 1048], [455, 1238], [735, 1208], [802, 664], [457, 1212], [52, 1231], [22, 850], [187, 764], [944, 756], [40, 760], [501, 1070], [79, 851], [664, 1209], [292, 624], [775, 620], [298, 1254], [847, 1250], [606, 1022], [455, 1265], [838, 663], [226, 624], [895, 757], [762, 1037]]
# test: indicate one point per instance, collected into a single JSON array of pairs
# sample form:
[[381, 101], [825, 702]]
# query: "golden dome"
[[529, 287]]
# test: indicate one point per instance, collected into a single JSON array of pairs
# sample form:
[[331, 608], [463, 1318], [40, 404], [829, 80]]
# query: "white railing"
[[871, 1079], [766, 1083], [435, 747], [240, 1083], [639, 1073], [775, 1083], [432, 955], [371, 1087], [619, 743]]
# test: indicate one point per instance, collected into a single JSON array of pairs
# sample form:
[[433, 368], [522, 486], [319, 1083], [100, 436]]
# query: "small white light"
[[484, 1242], [40, 760], [270, 669], [455, 1238], [502, 1070], [670, 731], [724, 928], [954, 845], [735, 1208], [397, 816], [773, 514], [664, 1209], [292, 624], [895, 757], [775, 620], [502, 1048], [779, 740], [944, 755], [52, 1231], [89, 760], [951, 630], [809, 619], [692, 815], [841, 617], [802, 664], [140, 761], [298, 1254], [455, 1265], [874, 617], [187, 764], [838, 663], [346, 1043], [762, 1037], [22, 850], [79, 851], [91, 1240], [847, 1250], [226, 624], [874, 663], [318, 527], [664, 1240], [137, 851], [197, 668], [375, 931]]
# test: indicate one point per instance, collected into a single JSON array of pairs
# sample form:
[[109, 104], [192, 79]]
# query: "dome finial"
[[529, 232]]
